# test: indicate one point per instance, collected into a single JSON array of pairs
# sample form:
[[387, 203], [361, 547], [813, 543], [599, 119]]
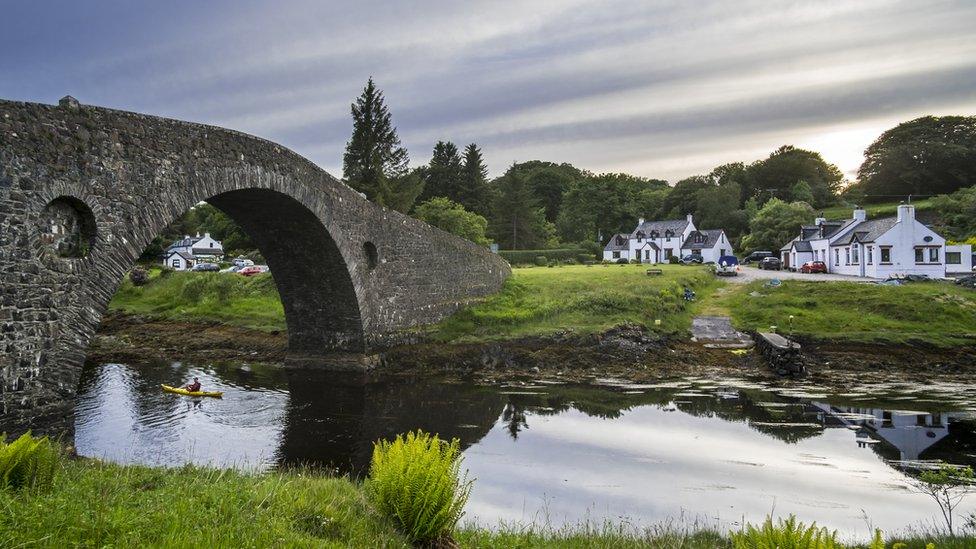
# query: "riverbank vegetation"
[[96, 504], [933, 313], [581, 300], [247, 302]]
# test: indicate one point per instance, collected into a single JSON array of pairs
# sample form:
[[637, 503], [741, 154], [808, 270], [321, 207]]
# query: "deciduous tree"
[[450, 216]]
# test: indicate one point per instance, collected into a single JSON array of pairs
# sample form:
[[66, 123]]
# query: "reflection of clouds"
[[697, 463], [661, 90]]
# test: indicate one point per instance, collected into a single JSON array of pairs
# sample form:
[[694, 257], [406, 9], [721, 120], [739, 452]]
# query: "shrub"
[[139, 276], [787, 534], [526, 257], [584, 259], [28, 462], [623, 261], [541, 261], [415, 481], [674, 260]]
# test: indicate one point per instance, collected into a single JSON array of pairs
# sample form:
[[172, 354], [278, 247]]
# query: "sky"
[[657, 89]]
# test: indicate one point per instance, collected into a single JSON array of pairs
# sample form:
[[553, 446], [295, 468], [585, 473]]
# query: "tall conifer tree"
[[374, 162], [473, 191]]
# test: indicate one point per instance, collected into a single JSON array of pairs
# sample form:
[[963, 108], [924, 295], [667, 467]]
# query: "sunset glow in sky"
[[660, 89]]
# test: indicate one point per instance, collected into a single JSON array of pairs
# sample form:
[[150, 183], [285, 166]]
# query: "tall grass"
[[250, 302], [415, 480], [785, 534], [28, 463]]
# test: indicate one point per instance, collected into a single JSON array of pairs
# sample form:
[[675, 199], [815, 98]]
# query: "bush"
[[583, 259], [541, 261], [674, 260], [622, 261], [415, 481], [787, 534], [139, 276], [28, 462]]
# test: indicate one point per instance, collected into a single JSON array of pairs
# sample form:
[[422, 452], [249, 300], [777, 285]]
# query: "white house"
[[656, 241], [877, 248], [182, 254], [177, 260]]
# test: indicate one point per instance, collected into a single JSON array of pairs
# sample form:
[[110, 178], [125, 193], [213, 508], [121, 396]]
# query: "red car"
[[813, 267], [252, 270]]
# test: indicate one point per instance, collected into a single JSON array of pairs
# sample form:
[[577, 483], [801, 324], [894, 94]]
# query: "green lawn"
[[942, 314], [249, 302], [581, 299]]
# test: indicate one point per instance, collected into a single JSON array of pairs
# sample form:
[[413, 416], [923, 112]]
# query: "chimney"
[[206, 235], [820, 220], [860, 214], [690, 220], [906, 212], [640, 221]]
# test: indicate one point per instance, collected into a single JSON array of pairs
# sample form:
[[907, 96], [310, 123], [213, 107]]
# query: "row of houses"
[[657, 241], [875, 248]]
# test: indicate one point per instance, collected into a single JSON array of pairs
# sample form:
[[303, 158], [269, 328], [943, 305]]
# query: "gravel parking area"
[[748, 273]]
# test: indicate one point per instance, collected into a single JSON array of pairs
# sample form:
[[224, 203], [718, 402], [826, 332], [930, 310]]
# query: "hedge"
[[528, 257]]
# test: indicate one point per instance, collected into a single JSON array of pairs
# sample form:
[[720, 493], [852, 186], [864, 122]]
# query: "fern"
[[28, 462], [787, 534], [416, 481]]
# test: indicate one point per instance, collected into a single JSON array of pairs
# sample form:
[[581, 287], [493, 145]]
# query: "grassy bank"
[[94, 504], [581, 299], [935, 313], [248, 302], [884, 209]]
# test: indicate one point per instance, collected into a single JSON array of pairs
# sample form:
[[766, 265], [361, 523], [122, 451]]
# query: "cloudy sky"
[[660, 89]]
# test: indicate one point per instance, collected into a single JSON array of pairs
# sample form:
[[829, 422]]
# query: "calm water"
[[705, 450]]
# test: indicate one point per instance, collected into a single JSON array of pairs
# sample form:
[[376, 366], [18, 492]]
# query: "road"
[[748, 274]]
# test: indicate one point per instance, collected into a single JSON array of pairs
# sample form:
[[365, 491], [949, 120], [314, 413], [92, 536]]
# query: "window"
[[177, 264], [668, 253], [856, 255], [886, 255], [836, 256], [953, 258], [640, 236], [847, 256], [919, 255], [870, 255], [616, 255], [647, 254], [721, 252], [933, 255]]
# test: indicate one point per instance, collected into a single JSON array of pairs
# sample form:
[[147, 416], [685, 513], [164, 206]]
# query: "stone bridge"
[[83, 191]]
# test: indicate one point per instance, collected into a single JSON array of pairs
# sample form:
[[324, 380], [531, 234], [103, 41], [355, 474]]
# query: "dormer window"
[[668, 233], [654, 234], [620, 241], [640, 236]]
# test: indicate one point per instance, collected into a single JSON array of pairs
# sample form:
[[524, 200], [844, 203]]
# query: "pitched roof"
[[867, 231], [675, 225], [802, 246], [649, 244], [181, 254], [708, 239], [617, 242], [208, 251]]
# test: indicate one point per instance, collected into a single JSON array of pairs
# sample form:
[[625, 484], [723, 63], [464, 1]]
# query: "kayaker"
[[193, 387]]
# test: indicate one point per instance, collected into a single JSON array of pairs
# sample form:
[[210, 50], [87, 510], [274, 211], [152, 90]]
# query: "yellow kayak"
[[181, 391]]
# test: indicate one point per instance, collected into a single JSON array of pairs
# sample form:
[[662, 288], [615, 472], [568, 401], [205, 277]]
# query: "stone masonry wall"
[[351, 274]]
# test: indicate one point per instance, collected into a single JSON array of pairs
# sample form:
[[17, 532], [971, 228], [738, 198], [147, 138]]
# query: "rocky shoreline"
[[628, 352]]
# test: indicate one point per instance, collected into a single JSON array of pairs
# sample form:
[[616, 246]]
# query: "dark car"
[[813, 267], [756, 256], [206, 267], [727, 265], [691, 259], [770, 264]]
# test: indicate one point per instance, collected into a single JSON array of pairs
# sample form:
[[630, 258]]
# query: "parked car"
[[967, 281], [232, 269], [253, 270], [728, 265], [770, 264], [756, 257], [691, 259], [206, 267], [813, 267], [241, 262]]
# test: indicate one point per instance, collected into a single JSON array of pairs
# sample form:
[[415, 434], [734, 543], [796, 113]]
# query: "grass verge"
[[935, 313], [581, 299]]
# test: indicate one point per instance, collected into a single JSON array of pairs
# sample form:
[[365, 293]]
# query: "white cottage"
[[877, 248], [656, 241], [189, 250]]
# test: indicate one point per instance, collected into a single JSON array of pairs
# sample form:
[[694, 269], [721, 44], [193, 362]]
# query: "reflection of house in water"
[[909, 433]]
